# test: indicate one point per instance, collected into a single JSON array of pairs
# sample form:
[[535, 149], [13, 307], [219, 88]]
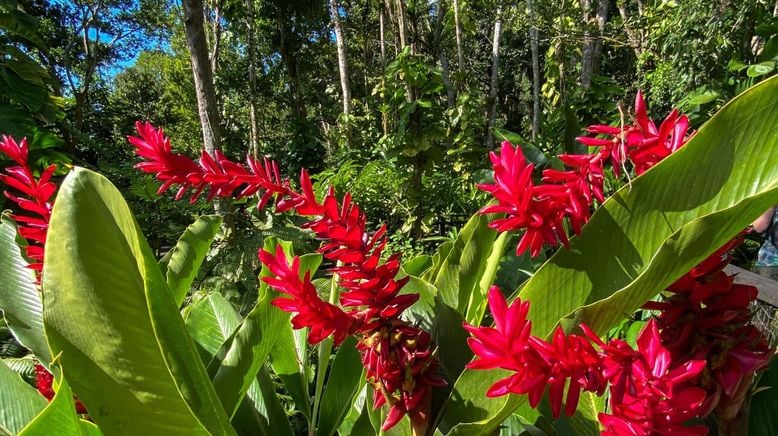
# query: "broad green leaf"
[[477, 305], [532, 153], [20, 299], [238, 361], [760, 69], [763, 419], [59, 416], [288, 366], [19, 402], [189, 252], [111, 320], [261, 411], [23, 25], [211, 321], [343, 383], [649, 234], [459, 273]]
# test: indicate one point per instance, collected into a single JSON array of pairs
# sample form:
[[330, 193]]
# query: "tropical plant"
[[401, 346]]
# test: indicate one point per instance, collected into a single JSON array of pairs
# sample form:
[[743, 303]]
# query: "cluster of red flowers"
[[44, 381], [650, 393], [397, 356], [541, 209], [36, 199], [707, 317], [697, 356]]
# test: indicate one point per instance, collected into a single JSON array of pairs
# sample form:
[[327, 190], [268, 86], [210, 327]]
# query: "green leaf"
[[59, 416], [112, 322], [19, 402], [703, 98], [237, 363], [211, 321], [189, 252], [532, 153], [343, 384], [760, 69], [288, 366], [461, 270], [763, 418], [647, 235], [24, 25], [20, 299]]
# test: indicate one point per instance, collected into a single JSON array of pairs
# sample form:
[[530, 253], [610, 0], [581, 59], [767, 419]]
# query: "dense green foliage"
[[426, 106]]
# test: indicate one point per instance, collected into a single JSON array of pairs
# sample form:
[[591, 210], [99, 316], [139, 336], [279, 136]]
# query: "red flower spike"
[[398, 357], [324, 319], [44, 381], [35, 199]]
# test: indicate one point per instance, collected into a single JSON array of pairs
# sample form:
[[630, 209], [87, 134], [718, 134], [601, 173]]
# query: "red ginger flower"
[[537, 210], [35, 199], [707, 317], [650, 393], [400, 365], [323, 319], [642, 142], [44, 381], [536, 363]]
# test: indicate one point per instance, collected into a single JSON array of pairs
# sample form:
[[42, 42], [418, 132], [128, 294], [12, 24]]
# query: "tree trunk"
[[533, 37], [635, 39], [493, 83], [342, 61], [458, 31], [401, 29], [602, 19], [207, 105], [290, 61], [203, 77], [253, 132], [216, 32], [587, 59]]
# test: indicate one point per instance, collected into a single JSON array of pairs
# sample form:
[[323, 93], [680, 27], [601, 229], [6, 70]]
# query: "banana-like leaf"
[[236, 364], [19, 402], [763, 414], [211, 321], [460, 271], [20, 299], [646, 236], [343, 383], [59, 417], [188, 254], [112, 321]]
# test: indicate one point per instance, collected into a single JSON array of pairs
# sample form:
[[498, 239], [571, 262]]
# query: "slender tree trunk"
[[493, 83], [342, 61], [207, 104], [533, 38], [602, 19], [253, 132], [587, 59], [635, 39], [203, 75], [458, 32], [401, 29], [381, 37], [216, 32], [290, 61], [384, 115]]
